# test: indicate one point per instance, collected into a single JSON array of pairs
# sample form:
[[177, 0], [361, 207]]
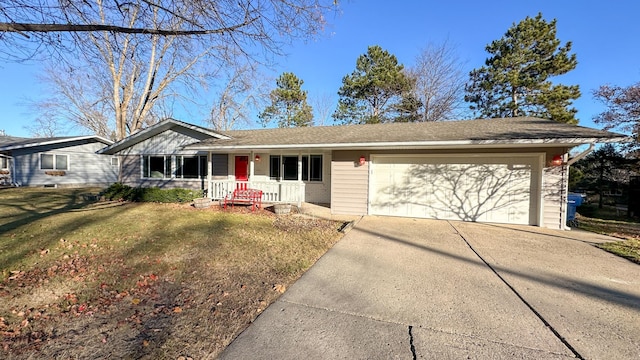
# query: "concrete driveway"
[[396, 288]]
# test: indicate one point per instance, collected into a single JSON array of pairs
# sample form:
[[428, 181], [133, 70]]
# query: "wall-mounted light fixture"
[[362, 161], [257, 158], [556, 160]]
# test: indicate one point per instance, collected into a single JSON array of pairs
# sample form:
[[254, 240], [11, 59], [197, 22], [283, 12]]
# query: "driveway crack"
[[524, 301], [412, 346]]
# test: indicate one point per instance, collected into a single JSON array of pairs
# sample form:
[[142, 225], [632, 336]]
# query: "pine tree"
[[515, 79], [377, 91], [289, 106]]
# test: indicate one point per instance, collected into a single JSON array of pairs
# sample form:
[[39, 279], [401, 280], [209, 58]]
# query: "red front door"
[[242, 168]]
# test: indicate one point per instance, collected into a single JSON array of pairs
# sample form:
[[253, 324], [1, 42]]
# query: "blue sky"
[[605, 39]]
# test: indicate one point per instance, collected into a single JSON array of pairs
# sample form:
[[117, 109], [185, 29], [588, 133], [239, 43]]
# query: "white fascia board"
[[57, 141], [415, 144]]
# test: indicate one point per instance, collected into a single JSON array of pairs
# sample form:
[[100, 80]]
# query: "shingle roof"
[[11, 143], [481, 131]]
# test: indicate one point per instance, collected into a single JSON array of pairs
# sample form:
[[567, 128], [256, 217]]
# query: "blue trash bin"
[[573, 201]]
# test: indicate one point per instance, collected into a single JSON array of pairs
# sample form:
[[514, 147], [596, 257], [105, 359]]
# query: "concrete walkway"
[[396, 288]]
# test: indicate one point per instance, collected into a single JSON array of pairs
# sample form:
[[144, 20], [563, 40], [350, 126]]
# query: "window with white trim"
[[191, 167], [156, 166], [115, 161], [4, 163], [285, 167], [54, 162]]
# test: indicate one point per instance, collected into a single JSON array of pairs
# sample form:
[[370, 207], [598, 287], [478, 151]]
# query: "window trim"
[[179, 165], [54, 161], [146, 159], [279, 160], [4, 163], [172, 167]]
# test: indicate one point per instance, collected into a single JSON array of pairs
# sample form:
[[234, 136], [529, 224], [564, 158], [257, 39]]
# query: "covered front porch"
[[288, 192], [282, 178]]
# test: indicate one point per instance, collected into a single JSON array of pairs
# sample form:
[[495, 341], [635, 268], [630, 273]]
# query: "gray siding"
[[349, 183], [169, 142], [85, 167], [132, 174]]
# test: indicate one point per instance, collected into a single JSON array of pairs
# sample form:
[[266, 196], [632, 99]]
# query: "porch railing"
[[272, 191]]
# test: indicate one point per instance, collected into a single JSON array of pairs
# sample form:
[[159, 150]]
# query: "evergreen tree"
[[515, 79], [604, 170], [377, 91], [288, 103]]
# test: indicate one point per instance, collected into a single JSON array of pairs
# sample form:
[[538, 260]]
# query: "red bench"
[[251, 197]]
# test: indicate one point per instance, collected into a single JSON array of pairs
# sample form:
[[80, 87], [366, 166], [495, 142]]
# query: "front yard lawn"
[[82, 279]]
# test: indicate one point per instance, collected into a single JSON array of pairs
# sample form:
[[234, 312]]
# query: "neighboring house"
[[512, 170], [57, 161]]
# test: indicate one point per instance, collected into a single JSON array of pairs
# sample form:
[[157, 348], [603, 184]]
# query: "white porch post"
[[300, 188], [251, 167], [209, 175]]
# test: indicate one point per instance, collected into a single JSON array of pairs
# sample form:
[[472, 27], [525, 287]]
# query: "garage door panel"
[[453, 188]]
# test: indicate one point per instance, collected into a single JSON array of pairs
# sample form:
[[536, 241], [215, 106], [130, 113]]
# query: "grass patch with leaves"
[[140, 280], [607, 222]]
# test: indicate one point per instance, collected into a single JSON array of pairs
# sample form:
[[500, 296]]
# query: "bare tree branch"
[[22, 29]]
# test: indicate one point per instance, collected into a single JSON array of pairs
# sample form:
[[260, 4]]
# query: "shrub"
[[119, 191]]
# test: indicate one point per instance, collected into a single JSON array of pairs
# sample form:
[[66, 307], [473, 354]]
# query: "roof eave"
[[57, 141], [154, 130], [524, 143]]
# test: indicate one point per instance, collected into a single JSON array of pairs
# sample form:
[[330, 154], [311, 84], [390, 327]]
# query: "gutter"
[[405, 144], [581, 155]]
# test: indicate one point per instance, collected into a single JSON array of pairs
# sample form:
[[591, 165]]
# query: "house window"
[[4, 163], [191, 167], [156, 167], [315, 168], [274, 167], [114, 161], [54, 162], [311, 167]]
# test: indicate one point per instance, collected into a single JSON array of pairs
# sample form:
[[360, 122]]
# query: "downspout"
[[580, 156]]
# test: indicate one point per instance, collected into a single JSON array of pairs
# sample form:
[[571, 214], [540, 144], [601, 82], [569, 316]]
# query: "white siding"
[[554, 195]]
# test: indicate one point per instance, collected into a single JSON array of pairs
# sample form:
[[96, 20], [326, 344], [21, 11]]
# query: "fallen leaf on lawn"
[[177, 309], [135, 301], [279, 288], [44, 252], [145, 343], [24, 323]]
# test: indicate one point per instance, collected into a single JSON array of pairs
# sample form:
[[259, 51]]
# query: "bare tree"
[[45, 127], [241, 96], [323, 106], [142, 51], [28, 27], [440, 80]]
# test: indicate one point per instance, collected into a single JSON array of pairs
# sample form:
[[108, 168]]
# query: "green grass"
[[140, 280], [608, 222]]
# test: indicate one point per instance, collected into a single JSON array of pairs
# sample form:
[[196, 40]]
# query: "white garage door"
[[488, 188]]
